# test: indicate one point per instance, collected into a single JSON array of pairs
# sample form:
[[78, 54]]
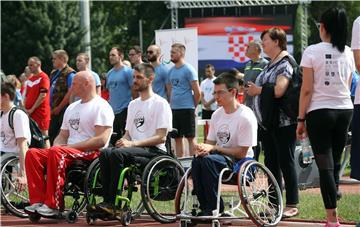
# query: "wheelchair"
[[74, 193], [13, 200], [257, 192], [157, 180]]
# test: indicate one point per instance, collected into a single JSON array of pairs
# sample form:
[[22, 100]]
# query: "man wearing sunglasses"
[[161, 83]]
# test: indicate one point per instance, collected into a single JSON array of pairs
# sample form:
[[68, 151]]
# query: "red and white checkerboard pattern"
[[237, 46]]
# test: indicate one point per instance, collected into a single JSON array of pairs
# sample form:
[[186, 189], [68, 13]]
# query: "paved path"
[[7, 220]]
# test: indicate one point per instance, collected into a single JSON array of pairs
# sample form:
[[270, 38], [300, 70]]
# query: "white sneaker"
[[47, 211], [33, 208]]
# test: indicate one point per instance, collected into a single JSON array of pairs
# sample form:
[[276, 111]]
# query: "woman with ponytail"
[[325, 107]]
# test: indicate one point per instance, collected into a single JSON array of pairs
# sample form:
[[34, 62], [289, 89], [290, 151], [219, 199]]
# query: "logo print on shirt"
[[223, 134], [139, 121], [175, 82], [3, 138], [74, 121]]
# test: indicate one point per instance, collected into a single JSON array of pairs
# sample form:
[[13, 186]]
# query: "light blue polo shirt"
[[119, 83], [181, 91], [160, 81]]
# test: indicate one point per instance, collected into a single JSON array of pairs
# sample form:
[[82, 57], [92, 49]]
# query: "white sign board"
[[186, 36]]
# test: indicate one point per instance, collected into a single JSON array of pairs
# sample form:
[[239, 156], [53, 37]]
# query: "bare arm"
[[357, 59], [236, 152], [23, 147], [158, 138], [62, 138], [102, 134], [168, 91], [282, 84], [37, 103], [306, 91], [196, 89]]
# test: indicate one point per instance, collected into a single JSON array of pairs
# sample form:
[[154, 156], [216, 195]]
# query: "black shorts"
[[184, 122]]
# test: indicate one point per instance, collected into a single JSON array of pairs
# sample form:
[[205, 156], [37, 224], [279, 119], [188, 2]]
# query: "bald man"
[[161, 84], [86, 128]]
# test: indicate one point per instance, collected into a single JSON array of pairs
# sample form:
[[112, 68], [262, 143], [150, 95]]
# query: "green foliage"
[[316, 8], [38, 28], [297, 32]]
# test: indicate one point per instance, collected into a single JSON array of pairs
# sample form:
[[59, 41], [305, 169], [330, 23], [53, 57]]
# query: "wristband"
[[300, 119]]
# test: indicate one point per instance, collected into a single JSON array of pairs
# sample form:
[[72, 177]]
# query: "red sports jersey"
[[39, 84]]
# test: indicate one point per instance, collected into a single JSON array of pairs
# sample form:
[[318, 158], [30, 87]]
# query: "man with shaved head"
[[161, 84], [86, 128]]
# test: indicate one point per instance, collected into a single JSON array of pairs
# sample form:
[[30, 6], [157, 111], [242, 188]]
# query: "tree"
[[38, 28]]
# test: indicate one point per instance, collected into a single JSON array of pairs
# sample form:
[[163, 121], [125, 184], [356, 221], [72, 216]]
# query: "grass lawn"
[[312, 208]]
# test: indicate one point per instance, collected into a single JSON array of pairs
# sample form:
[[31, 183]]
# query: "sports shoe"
[[47, 211], [108, 208], [332, 225], [33, 208], [290, 212]]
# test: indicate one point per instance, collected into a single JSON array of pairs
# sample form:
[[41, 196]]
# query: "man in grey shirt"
[[254, 67]]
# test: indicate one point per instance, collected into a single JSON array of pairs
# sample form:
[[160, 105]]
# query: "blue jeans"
[[205, 173]]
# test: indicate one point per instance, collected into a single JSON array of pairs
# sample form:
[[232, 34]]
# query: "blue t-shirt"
[[160, 81], [181, 91], [119, 83], [54, 79], [97, 78], [354, 82]]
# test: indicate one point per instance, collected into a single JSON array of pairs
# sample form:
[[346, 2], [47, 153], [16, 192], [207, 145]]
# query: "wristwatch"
[[300, 119]]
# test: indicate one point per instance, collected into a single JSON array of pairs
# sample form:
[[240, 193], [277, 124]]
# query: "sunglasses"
[[149, 52]]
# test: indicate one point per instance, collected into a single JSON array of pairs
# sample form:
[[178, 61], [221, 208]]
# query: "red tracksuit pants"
[[49, 189]]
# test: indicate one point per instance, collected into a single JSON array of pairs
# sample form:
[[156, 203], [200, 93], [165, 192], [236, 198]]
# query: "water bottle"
[[306, 151]]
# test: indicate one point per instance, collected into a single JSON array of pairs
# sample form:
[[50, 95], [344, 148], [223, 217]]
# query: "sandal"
[[290, 212]]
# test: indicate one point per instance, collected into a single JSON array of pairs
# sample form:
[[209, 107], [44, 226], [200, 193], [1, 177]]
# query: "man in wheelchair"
[[232, 134], [86, 128], [148, 121], [14, 140]]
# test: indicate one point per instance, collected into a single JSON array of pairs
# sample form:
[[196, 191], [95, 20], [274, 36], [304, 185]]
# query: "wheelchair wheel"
[[260, 194], [183, 201], [160, 180], [93, 186], [13, 200]]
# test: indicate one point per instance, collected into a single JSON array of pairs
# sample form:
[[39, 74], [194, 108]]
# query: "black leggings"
[[327, 130], [279, 149]]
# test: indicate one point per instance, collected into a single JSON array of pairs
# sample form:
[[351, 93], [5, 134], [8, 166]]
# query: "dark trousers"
[[355, 144], [205, 172], [279, 150], [113, 160], [206, 114], [327, 130], [119, 126], [55, 125]]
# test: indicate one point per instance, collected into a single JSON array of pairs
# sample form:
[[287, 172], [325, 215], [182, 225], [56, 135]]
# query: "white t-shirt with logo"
[[144, 117], [332, 70], [8, 135], [355, 45], [81, 118], [235, 129], [207, 87]]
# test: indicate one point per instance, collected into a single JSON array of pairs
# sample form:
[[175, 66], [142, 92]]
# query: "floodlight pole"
[[85, 23]]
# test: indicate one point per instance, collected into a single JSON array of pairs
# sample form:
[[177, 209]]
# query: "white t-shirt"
[[144, 117], [81, 118], [8, 135], [207, 87], [235, 129], [355, 45], [332, 70]]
